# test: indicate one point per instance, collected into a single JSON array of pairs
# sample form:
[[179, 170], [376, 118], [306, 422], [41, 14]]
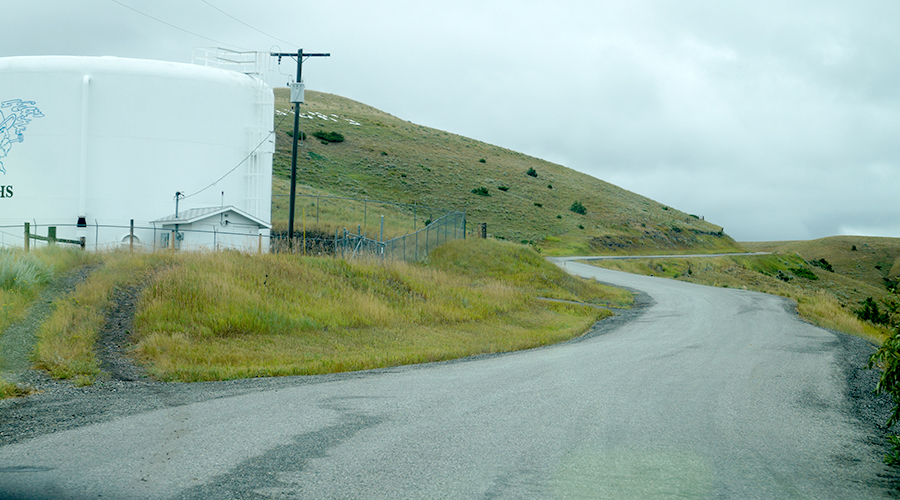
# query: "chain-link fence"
[[412, 247]]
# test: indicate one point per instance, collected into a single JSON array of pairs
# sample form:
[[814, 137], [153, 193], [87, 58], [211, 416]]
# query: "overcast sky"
[[775, 119]]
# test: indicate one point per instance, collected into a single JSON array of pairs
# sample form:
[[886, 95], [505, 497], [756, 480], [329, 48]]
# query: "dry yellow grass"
[[288, 315], [214, 316]]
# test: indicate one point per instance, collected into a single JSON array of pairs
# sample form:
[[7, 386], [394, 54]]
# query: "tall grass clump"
[[23, 276], [10, 390], [22, 271]]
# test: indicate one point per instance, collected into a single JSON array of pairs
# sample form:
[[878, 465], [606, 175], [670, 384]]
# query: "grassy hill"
[[385, 158], [862, 266]]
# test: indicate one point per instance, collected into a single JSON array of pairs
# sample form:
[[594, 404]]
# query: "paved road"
[[699, 393]]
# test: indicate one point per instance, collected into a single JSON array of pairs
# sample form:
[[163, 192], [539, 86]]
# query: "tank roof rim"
[[121, 65]]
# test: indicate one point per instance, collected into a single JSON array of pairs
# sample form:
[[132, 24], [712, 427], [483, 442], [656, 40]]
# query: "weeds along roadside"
[[215, 316], [776, 274]]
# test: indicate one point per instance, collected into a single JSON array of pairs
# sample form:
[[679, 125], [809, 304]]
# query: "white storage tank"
[[88, 144]]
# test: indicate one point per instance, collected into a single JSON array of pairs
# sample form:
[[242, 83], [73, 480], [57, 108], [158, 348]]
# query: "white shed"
[[211, 228]]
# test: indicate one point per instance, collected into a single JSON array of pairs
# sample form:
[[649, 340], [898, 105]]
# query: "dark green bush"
[[578, 208], [482, 161], [870, 312], [538, 204], [481, 191], [532, 172], [821, 264], [328, 136], [804, 273], [503, 188]]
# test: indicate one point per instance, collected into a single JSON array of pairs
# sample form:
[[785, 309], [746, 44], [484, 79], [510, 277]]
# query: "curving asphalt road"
[[697, 393]]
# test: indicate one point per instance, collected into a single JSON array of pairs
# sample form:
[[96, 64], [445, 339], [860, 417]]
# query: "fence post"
[[51, 235], [131, 236], [27, 236], [82, 241]]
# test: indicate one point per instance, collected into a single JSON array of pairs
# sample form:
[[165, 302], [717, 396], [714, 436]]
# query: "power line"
[[242, 161], [176, 27], [247, 25]]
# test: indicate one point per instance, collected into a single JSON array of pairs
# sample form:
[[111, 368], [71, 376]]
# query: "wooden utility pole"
[[296, 98]]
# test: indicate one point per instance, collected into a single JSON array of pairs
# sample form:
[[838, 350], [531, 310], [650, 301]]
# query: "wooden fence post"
[[27, 236]]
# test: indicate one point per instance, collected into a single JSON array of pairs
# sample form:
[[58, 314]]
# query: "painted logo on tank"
[[15, 115]]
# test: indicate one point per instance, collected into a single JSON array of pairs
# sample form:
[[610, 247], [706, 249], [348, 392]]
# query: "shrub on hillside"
[[870, 312], [503, 188], [803, 272], [578, 208], [532, 172], [481, 191], [328, 136], [821, 264]]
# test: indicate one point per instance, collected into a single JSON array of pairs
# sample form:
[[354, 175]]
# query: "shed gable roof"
[[193, 215]]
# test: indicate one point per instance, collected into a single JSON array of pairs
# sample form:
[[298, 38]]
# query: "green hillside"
[[383, 157], [861, 266]]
